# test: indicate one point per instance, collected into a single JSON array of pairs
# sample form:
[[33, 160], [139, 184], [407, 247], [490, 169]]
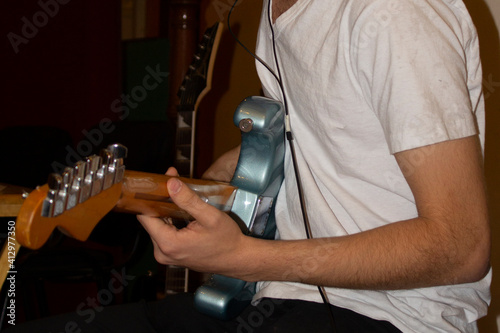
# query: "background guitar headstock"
[[197, 82], [198, 79]]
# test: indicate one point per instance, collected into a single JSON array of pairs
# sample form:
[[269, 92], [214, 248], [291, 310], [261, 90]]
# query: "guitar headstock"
[[74, 201], [198, 78], [197, 82]]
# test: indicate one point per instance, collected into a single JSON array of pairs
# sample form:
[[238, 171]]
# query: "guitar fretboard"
[[184, 143], [195, 83]]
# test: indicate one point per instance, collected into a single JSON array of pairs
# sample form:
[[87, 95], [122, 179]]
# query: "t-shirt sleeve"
[[410, 63]]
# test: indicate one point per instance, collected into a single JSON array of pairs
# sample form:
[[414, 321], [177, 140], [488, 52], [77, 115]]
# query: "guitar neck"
[[11, 199], [184, 157], [197, 82], [147, 194], [137, 193]]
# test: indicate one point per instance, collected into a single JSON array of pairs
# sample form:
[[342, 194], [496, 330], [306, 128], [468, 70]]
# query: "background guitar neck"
[[185, 134], [196, 84]]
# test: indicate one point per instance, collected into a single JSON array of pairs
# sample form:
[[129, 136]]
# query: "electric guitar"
[[80, 197], [195, 85]]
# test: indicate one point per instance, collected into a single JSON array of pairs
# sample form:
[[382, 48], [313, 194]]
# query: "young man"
[[387, 117]]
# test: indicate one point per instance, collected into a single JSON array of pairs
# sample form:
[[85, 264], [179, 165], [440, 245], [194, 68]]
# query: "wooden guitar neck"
[[138, 193], [147, 194]]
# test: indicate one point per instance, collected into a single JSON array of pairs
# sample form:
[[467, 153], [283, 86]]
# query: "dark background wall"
[[60, 64]]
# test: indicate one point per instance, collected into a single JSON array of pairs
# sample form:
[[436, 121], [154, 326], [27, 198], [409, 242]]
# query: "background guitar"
[[194, 87]]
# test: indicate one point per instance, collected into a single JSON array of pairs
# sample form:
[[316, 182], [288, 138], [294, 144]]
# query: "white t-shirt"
[[365, 79]]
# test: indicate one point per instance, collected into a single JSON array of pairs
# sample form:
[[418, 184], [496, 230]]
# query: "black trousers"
[[176, 313]]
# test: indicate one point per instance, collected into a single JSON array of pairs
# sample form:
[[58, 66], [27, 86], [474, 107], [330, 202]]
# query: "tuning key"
[[54, 182], [63, 192], [85, 183], [91, 179], [98, 176], [119, 152], [86, 187], [107, 174], [76, 185]]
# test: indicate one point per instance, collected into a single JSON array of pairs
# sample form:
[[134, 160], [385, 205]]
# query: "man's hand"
[[208, 244], [447, 243]]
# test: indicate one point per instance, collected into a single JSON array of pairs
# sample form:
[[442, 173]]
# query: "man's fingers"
[[172, 172], [152, 225], [155, 226], [187, 199]]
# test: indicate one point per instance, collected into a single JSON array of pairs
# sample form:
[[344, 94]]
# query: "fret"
[[186, 106], [185, 119], [183, 152], [183, 167], [183, 137], [177, 278]]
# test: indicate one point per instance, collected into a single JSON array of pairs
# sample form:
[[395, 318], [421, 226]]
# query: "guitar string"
[[290, 140]]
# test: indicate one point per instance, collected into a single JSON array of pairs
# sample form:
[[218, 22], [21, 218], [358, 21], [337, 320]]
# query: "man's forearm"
[[408, 254], [448, 243]]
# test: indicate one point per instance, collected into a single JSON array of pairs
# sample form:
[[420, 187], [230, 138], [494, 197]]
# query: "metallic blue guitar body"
[[258, 176]]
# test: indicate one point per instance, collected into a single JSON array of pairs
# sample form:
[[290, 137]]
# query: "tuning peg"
[[118, 150], [106, 156], [75, 188], [106, 164], [67, 176], [63, 192], [93, 163], [54, 182], [86, 183]]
